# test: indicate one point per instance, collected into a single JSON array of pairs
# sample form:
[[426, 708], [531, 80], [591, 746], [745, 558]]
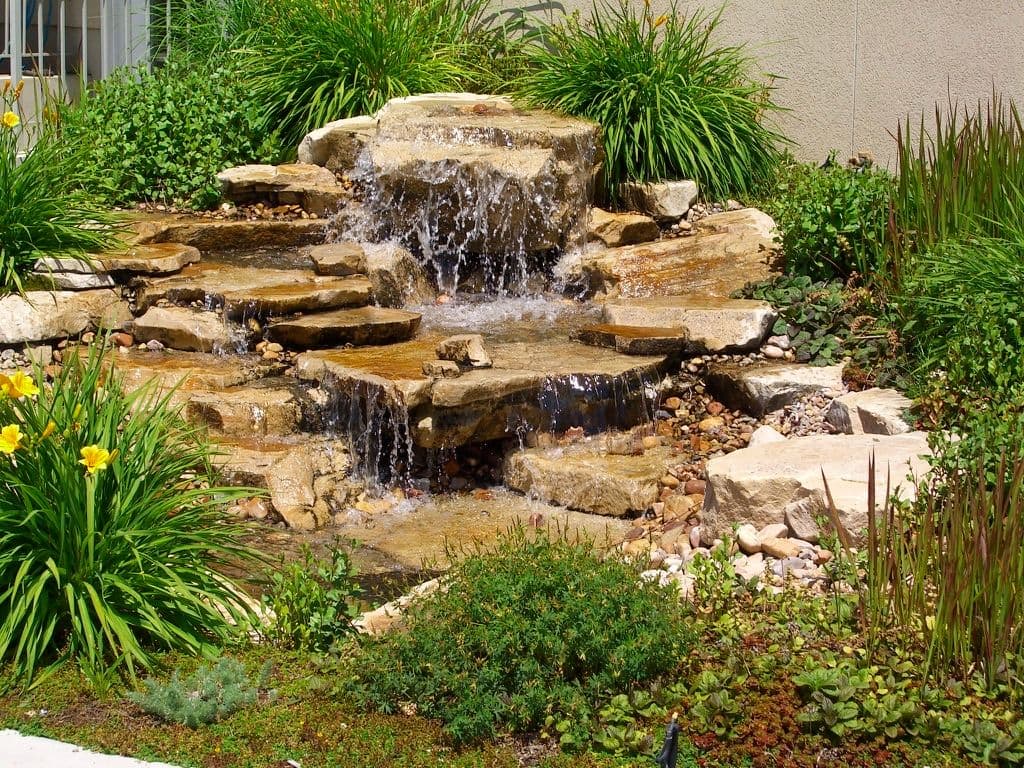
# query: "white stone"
[[44, 315], [874, 411], [665, 200], [748, 540], [756, 484], [764, 435]]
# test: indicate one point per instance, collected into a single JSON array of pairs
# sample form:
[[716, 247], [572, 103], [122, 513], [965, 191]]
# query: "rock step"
[[210, 235], [358, 327], [710, 324], [588, 477], [543, 385], [244, 291], [183, 328], [633, 340], [187, 372], [760, 389], [312, 187], [727, 251]]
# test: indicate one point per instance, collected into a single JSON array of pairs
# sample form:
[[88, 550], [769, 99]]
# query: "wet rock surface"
[[356, 327], [727, 251]]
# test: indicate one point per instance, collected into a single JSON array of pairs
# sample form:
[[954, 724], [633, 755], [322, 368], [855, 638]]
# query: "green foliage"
[[42, 213], [963, 178], [310, 63], [671, 102], [164, 135], [832, 220], [208, 695], [533, 634], [201, 30], [826, 321], [111, 539], [312, 601]]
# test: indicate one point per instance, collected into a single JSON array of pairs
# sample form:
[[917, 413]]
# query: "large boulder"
[[312, 187], [760, 389], [666, 201], [398, 280], [589, 479], [874, 411], [727, 251], [785, 481], [45, 315], [427, 161]]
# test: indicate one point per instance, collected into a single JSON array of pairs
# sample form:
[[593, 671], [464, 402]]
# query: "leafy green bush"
[[208, 695], [309, 63], [41, 211], [164, 135], [111, 544], [530, 632], [832, 221], [313, 602], [671, 103]]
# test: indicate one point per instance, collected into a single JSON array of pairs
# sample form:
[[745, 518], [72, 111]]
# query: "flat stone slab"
[[312, 187], [551, 384], [243, 290], [728, 251], [710, 324], [44, 315], [760, 389], [874, 411], [189, 371], [587, 478], [631, 340], [358, 327], [183, 328], [211, 235], [782, 481], [152, 259], [18, 751]]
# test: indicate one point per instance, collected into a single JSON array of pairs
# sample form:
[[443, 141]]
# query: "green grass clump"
[[528, 631], [164, 135], [309, 63], [210, 694], [111, 538], [42, 210], [671, 102]]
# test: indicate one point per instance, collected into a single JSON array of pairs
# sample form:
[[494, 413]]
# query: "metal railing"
[[77, 41]]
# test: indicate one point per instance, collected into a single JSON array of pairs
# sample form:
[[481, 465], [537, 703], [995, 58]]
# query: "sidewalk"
[[17, 751]]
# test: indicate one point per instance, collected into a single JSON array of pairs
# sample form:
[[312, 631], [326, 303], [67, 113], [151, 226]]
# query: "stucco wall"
[[851, 69]]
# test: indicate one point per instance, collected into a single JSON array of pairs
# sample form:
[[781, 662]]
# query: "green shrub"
[[671, 103], [313, 601], [832, 221], [41, 211], [528, 633], [309, 63], [207, 696], [111, 539], [163, 136]]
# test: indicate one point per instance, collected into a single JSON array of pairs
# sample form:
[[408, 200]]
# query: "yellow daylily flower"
[[49, 430], [10, 119], [10, 439], [19, 385], [95, 458]]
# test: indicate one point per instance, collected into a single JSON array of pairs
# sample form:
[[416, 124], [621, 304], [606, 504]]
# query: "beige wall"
[[853, 68]]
